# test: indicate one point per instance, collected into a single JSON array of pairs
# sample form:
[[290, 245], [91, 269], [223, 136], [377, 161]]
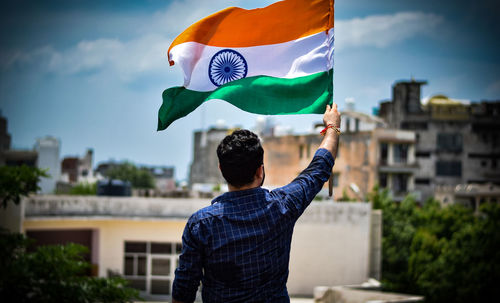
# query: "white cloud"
[[383, 30], [146, 52]]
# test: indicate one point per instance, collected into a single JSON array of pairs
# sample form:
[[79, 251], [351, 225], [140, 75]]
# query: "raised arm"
[[331, 140], [297, 195]]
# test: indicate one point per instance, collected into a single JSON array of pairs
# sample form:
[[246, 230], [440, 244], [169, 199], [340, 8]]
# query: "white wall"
[[330, 246]]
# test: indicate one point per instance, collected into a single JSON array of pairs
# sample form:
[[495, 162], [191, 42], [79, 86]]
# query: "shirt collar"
[[234, 195]]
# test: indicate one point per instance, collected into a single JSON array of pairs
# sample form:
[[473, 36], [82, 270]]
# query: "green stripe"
[[260, 95]]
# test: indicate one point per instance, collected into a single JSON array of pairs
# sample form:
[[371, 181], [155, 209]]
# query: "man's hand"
[[331, 140], [332, 116]]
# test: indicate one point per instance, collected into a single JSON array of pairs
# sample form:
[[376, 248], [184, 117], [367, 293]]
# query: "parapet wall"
[[330, 245], [113, 207]]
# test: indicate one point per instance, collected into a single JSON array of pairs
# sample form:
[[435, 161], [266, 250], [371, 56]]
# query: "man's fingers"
[[334, 106], [328, 107]]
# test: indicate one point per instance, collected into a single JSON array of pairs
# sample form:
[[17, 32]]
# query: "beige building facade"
[[368, 154], [140, 239]]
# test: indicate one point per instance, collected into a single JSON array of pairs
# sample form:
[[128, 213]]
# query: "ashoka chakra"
[[225, 66]]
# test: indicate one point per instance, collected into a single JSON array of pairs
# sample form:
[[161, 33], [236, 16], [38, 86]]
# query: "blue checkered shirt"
[[239, 247]]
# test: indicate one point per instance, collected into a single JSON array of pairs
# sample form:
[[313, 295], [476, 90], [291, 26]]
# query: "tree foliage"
[[84, 189], [138, 177], [54, 273], [447, 254], [18, 181]]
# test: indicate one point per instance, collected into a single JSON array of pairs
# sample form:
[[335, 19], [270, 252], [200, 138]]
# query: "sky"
[[91, 72]]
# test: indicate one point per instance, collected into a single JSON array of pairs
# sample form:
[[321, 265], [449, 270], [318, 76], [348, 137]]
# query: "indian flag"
[[274, 60]]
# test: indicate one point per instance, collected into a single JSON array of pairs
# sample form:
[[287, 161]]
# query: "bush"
[[447, 254], [54, 273], [84, 189]]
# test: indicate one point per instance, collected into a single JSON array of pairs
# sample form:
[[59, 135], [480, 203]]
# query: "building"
[[13, 157], [48, 159], [468, 195], [5, 137], [78, 169], [457, 142], [164, 179], [140, 239], [204, 172], [368, 154]]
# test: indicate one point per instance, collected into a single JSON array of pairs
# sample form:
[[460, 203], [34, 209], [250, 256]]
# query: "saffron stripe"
[[277, 23]]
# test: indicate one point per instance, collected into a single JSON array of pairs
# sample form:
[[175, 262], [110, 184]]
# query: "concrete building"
[[5, 137], [204, 172], [457, 142], [13, 157], [164, 179], [468, 195], [140, 238], [78, 169], [368, 155], [48, 158]]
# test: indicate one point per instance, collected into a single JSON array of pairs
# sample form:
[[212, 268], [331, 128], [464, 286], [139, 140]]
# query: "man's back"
[[242, 241], [239, 247]]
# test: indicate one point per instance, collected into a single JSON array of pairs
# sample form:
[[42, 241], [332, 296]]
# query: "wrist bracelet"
[[323, 132]]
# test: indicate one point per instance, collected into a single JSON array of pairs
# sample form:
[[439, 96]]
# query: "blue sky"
[[91, 73]]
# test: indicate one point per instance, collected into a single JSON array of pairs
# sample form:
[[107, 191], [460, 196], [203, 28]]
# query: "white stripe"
[[296, 58]]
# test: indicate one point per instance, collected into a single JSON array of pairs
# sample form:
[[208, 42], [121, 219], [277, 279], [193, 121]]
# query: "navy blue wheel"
[[225, 66]]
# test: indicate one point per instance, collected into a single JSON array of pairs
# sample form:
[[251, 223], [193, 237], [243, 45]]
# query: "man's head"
[[240, 155]]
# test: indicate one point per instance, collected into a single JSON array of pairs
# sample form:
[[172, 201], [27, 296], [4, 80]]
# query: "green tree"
[[447, 254], [18, 181], [84, 189], [54, 273], [138, 177]]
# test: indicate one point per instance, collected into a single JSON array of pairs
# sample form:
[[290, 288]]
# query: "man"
[[239, 247]]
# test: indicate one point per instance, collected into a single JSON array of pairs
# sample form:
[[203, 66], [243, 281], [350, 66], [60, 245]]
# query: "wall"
[[330, 246]]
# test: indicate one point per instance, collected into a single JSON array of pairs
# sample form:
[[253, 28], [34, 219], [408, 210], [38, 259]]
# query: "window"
[[449, 168], [150, 266], [400, 153], [383, 153], [347, 125], [382, 180], [414, 125], [356, 125], [422, 154], [301, 151], [422, 181], [400, 183], [449, 142]]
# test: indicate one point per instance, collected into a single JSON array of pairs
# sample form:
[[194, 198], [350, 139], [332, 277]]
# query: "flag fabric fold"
[[272, 60]]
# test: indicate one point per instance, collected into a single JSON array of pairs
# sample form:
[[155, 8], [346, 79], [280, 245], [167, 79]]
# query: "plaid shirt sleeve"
[[301, 191], [189, 272]]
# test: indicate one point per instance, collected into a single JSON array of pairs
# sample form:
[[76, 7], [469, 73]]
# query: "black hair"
[[240, 154]]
